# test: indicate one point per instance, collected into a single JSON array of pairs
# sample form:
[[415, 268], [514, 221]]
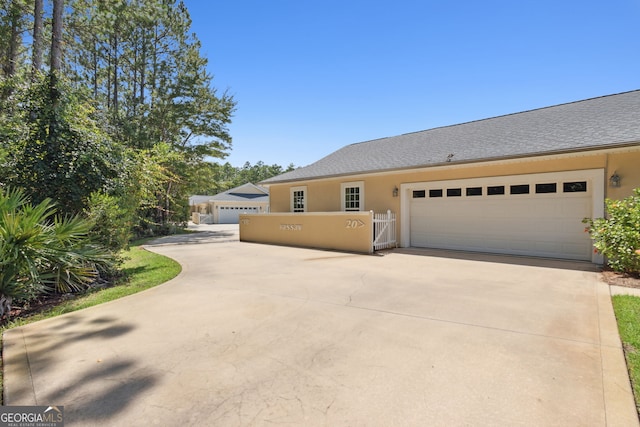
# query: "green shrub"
[[42, 252], [112, 223], [617, 237]]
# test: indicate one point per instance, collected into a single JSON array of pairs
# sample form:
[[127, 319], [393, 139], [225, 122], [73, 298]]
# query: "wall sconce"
[[614, 180], [395, 191]]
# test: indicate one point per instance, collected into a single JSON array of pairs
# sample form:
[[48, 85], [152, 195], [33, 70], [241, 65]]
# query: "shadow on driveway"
[[201, 233], [59, 345], [502, 259], [253, 334]]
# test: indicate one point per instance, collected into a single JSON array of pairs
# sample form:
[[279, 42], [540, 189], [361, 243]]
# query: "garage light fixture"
[[614, 180], [395, 191]]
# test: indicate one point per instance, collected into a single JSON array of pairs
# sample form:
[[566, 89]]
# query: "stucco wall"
[[627, 166], [324, 195], [346, 231]]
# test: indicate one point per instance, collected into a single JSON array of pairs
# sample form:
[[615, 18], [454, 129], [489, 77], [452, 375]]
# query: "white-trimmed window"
[[352, 196], [298, 199]]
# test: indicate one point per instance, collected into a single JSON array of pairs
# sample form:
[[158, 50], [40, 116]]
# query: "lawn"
[[627, 309], [142, 270]]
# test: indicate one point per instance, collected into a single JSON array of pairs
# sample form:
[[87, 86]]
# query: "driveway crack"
[[356, 290]]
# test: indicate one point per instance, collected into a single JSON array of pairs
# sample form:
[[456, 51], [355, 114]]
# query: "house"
[[515, 184], [225, 207]]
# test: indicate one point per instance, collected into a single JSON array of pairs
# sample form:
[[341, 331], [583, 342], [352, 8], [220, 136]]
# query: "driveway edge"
[[619, 403], [15, 359]]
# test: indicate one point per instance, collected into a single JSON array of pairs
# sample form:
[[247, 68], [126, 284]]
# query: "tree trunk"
[[134, 90], [143, 70], [94, 64], [5, 306], [36, 62], [109, 65], [154, 68], [115, 74], [56, 37], [9, 67]]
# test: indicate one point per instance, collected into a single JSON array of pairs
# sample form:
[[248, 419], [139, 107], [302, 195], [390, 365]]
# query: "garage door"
[[535, 215], [231, 214]]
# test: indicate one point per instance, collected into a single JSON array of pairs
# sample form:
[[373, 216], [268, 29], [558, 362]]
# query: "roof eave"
[[463, 162]]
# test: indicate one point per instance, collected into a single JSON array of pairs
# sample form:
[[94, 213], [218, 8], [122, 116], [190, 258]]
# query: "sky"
[[311, 76]]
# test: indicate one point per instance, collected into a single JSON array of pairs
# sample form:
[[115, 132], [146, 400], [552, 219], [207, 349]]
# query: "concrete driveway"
[[253, 334]]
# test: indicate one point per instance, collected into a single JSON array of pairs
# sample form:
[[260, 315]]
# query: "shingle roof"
[[245, 193], [197, 199], [238, 197], [602, 122]]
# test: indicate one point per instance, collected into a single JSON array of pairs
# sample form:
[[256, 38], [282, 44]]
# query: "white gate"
[[206, 219], [200, 218], [384, 230]]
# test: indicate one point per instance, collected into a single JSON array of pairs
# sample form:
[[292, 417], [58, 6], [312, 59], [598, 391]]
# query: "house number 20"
[[354, 223]]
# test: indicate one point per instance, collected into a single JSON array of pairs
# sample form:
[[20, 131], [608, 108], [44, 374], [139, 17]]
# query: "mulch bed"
[[47, 301], [621, 279], [38, 305]]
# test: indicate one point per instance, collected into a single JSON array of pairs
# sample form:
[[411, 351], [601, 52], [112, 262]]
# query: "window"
[[352, 199], [474, 191], [419, 194], [575, 187], [353, 196], [298, 199], [519, 189], [546, 188], [435, 193], [454, 192], [495, 190]]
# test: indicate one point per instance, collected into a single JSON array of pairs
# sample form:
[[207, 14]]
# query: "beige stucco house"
[[515, 184], [226, 207]]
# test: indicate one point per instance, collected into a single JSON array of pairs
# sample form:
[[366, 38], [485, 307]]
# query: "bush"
[[112, 223], [43, 252], [617, 237]]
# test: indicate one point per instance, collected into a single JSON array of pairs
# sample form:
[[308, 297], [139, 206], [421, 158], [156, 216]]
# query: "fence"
[[384, 230], [349, 231], [199, 218]]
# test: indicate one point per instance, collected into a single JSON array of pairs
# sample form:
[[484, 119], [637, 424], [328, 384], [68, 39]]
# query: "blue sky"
[[311, 76]]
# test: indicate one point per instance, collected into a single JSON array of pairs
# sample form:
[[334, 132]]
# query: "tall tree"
[[38, 36], [13, 21], [149, 91], [146, 71], [56, 37], [65, 155]]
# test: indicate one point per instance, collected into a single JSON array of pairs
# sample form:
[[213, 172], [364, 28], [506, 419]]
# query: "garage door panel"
[[548, 225], [231, 214]]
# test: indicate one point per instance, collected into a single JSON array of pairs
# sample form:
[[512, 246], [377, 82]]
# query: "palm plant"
[[41, 251]]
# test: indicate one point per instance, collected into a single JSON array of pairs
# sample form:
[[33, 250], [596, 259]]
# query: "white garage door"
[[537, 215], [231, 214]]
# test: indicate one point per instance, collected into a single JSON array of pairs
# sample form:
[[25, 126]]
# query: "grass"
[[627, 309], [142, 269]]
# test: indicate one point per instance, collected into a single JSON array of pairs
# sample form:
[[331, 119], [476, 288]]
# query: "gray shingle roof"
[[239, 197], [594, 123], [245, 193]]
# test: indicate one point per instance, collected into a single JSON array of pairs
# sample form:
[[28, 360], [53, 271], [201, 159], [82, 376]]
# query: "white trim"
[[305, 197], [594, 176], [353, 184]]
